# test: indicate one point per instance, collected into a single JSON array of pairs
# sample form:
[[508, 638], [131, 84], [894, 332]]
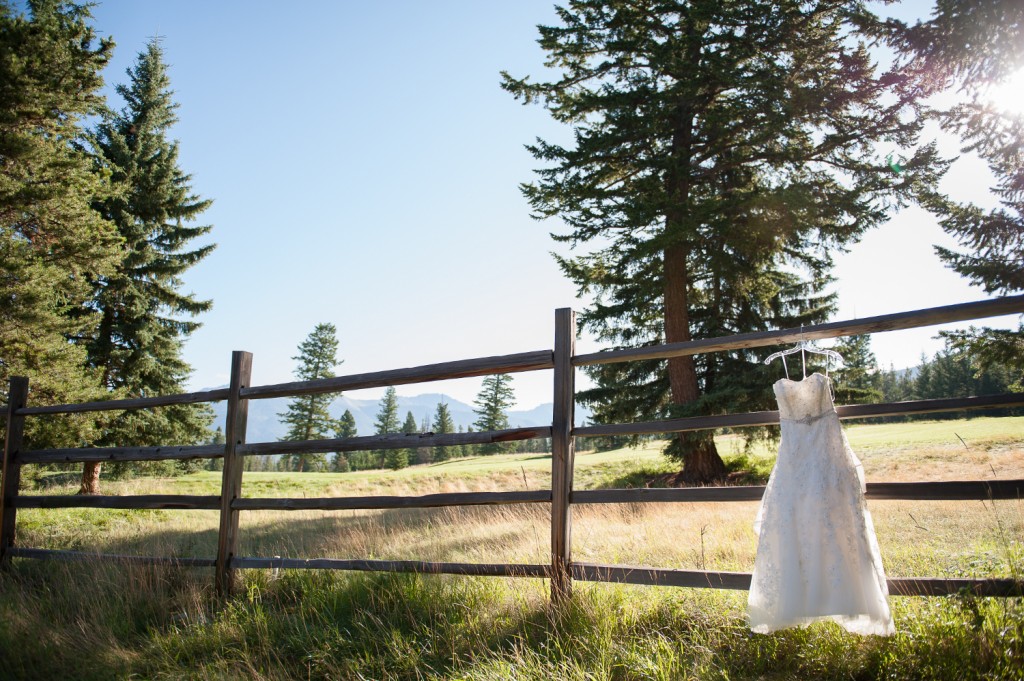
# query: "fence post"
[[563, 450], [231, 478], [16, 399]]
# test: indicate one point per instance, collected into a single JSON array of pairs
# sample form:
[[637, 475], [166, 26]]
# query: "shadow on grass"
[[141, 623], [741, 469], [286, 534], [57, 479]]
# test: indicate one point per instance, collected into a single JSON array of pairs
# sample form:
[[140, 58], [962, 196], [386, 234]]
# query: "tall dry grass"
[[103, 620]]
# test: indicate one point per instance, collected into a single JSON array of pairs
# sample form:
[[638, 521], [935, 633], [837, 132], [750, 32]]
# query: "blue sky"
[[364, 166]]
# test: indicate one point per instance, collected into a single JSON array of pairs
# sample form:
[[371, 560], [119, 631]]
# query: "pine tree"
[[923, 379], [387, 421], [722, 152], [217, 439], [967, 46], [51, 240], [466, 450], [400, 458], [857, 381], [424, 455], [307, 416], [344, 428], [340, 463], [410, 426], [896, 386], [442, 425], [346, 425], [492, 402], [144, 317]]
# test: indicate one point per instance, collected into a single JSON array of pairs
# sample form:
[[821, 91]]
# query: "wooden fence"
[[561, 570]]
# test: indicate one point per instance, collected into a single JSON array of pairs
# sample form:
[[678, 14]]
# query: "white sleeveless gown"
[[817, 556]]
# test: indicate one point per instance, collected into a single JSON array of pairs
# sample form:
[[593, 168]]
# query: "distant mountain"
[[265, 423]]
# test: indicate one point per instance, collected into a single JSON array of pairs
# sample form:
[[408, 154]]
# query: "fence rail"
[[562, 570], [996, 307], [504, 364], [900, 586], [918, 491], [771, 418]]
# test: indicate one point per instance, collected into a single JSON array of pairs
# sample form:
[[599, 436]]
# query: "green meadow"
[[106, 620]]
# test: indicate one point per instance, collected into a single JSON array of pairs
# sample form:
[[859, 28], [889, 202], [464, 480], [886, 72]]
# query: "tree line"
[[307, 417], [97, 225], [951, 372]]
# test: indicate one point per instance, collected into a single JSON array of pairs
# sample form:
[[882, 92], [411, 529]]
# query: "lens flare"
[[1008, 94]]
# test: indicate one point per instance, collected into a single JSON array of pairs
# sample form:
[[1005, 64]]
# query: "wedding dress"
[[817, 556]]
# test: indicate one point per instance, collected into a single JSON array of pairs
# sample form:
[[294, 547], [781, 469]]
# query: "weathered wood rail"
[[562, 359]]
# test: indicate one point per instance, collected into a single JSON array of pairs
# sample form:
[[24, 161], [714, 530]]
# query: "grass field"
[[102, 620]]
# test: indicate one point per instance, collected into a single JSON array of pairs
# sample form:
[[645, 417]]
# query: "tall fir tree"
[[400, 458], [492, 403], [307, 416], [424, 455], [344, 428], [387, 422], [145, 317], [857, 381], [896, 386], [442, 425], [51, 240], [970, 47], [466, 449], [722, 153], [216, 439]]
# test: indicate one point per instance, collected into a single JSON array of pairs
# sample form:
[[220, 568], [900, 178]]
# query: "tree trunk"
[[701, 462], [90, 478]]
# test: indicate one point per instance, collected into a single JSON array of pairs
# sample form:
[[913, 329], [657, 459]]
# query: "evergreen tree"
[[896, 386], [51, 240], [492, 402], [424, 455], [951, 373], [346, 425], [340, 463], [400, 458], [969, 46], [387, 421], [857, 380], [144, 316], [923, 380], [722, 152], [466, 450], [442, 425], [410, 427], [307, 416], [217, 439], [345, 428]]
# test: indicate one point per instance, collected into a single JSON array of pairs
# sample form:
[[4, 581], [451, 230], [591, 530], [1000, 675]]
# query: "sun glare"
[[1008, 95]]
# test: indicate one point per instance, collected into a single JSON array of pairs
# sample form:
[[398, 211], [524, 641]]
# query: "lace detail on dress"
[[817, 555]]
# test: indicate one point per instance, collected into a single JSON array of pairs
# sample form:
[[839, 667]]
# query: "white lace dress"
[[817, 556]]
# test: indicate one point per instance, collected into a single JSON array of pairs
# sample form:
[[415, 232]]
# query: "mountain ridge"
[[264, 422]]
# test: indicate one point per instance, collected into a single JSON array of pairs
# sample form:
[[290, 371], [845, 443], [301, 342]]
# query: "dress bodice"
[[803, 400]]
